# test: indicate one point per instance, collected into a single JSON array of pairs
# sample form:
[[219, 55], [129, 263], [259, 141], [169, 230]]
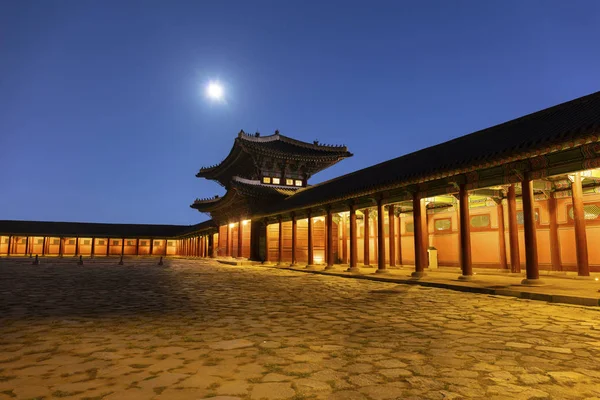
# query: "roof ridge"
[[278, 136]]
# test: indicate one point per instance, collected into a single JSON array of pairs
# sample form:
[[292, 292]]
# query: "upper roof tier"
[[255, 156]]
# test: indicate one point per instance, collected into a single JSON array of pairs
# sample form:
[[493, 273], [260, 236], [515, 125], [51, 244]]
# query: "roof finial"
[[242, 133], [316, 142], [257, 134], [277, 131]]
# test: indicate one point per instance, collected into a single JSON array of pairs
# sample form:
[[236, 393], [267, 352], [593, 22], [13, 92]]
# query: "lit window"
[[40, 241], [276, 181], [171, 244], [266, 179], [143, 243], [56, 241], [71, 242], [87, 242], [590, 212], [409, 227], [116, 242], [480, 221], [298, 182], [289, 182], [521, 218], [130, 243], [101, 243], [442, 224]]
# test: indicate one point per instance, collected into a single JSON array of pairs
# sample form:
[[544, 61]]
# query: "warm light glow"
[[231, 225], [289, 182], [214, 90], [298, 183], [266, 179], [276, 181], [318, 260], [245, 222]]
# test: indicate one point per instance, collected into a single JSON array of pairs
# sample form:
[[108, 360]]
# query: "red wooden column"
[[392, 238], [329, 255], [137, 246], [267, 237], [211, 244], [400, 238], [61, 246], [531, 254], [367, 241], [583, 267], [465, 233], [513, 231], [240, 243], [310, 251], [122, 246], [344, 239], [76, 246], [420, 261], [280, 243], [44, 246], [501, 237], [294, 238], [27, 245], [380, 238], [425, 235], [93, 250], [353, 240], [151, 246], [10, 239]]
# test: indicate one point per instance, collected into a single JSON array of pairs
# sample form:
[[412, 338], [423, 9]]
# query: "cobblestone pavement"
[[196, 329]]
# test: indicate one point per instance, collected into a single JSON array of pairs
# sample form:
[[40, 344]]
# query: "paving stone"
[[272, 391], [196, 329]]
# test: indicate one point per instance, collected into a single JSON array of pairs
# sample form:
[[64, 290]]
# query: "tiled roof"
[[535, 132], [84, 229]]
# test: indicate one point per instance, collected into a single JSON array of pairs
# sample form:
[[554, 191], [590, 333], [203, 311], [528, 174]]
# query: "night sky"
[[103, 116]]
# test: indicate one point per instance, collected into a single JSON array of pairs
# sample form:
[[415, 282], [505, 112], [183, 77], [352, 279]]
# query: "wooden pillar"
[[367, 241], [501, 231], [280, 243], [267, 237], [344, 229], [137, 247], [61, 246], [513, 231], [227, 241], [211, 245], [465, 233], [240, 243], [380, 237], [392, 232], [329, 249], [44, 246], [531, 254], [554, 242], [76, 246], [10, 239], [151, 246], [425, 235], [400, 238], [93, 250], [583, 267], [27, 245], [353, 240], [122, 246], [310, 250], [418, 210], [107, 247], [294, 238]]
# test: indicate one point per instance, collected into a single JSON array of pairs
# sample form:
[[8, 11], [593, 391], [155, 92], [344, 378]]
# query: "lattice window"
[[116, 242], [130, 243], [480, 221], [5, 240], [590, 212], [71, 242], [520, 218], [87, 242], [23, 241], [143, 243], [441, 225], [409, 227], [39, 241], [171, 244], [56, 241], [101, 243]]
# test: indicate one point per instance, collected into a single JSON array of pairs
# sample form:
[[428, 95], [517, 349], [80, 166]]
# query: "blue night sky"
[[103, 116]]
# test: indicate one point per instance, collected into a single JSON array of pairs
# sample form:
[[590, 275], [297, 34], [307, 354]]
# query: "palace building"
[[520, 196]]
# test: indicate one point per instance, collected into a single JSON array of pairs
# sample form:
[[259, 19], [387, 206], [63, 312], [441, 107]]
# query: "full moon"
[[214, 90]]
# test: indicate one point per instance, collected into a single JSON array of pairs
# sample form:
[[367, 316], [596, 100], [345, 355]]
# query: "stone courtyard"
[[195, 329]]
